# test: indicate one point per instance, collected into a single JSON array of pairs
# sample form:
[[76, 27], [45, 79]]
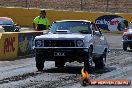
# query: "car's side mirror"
[[97, 33], [16, 30]]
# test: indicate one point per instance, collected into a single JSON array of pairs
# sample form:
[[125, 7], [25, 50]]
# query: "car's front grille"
[[59, 43]]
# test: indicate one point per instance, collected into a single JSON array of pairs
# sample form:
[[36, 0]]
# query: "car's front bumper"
[[66, 54], [127, 41]]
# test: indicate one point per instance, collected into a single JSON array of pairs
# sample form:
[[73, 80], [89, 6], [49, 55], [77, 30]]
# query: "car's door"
[[98, 40], [102, 40]]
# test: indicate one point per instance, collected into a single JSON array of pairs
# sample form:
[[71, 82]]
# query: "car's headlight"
[[79, 43], [38, 43], [125, 37]]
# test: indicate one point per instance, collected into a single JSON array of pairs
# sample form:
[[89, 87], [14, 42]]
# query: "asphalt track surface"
[[22, 73]]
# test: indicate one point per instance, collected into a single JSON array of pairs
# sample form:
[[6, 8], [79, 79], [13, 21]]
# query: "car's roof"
[[73, 20], [5, 18]]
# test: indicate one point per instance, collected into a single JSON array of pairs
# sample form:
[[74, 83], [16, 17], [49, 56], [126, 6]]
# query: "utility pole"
[[81, 4]]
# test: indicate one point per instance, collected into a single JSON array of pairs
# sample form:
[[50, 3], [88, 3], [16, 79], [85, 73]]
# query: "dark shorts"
[[41, 27]]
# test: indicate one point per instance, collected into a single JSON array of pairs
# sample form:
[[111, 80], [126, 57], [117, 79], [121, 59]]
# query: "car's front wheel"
[[39, 62], [88, 59], [124, 46], [101, 61]]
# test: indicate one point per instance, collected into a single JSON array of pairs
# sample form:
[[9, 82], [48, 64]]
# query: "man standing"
[[41, 22]]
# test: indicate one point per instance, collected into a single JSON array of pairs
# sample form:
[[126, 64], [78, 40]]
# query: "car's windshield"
[[6, 22], [72, 26]]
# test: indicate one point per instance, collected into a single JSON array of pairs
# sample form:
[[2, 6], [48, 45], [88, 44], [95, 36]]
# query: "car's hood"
[[62, 36]]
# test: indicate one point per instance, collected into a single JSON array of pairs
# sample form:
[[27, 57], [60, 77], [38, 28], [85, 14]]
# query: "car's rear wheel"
[[122, 25], [101, 61], [88, 59], [39, 62], [59, 64], [124, 46]]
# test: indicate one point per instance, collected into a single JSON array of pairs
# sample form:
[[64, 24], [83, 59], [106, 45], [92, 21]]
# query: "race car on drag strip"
[[71, 40]]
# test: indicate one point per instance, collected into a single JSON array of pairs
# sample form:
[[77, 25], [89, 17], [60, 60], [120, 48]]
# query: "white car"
[[71, 40]]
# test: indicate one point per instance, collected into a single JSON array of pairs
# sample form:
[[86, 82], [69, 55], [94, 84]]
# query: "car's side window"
[[93, 28], [97, 29]]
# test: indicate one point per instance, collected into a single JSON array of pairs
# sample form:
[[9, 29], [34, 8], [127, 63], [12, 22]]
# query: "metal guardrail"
[[85, 5]]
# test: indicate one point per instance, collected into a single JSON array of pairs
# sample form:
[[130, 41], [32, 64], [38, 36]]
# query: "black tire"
[[124, 47], [88, 60], [39, 62], [122, 25], [59, 64], [101, 61]]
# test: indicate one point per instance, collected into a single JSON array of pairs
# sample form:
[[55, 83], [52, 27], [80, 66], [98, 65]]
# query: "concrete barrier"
[[8, 46], [24, 16], [13, 45], [21, 16], [25, 42]]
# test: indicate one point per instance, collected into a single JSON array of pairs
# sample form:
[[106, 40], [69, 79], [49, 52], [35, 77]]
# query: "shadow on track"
[[129, 50], [77, 70]]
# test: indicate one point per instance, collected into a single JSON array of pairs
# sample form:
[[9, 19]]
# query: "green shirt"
[[40, 20]]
